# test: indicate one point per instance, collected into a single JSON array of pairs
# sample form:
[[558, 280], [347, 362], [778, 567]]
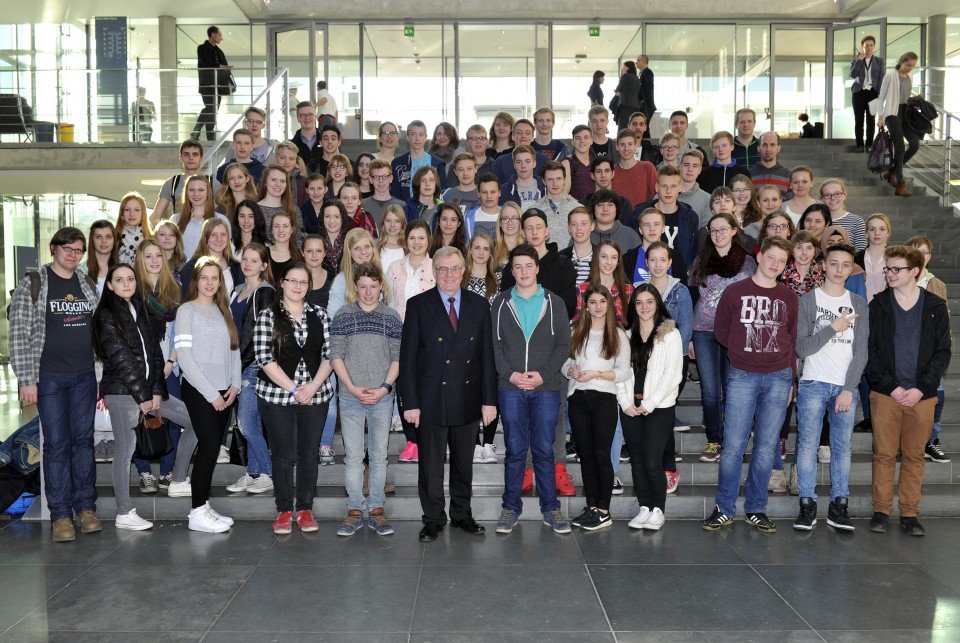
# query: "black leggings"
[[294, 431], [489, 432], [209, 425], [593, 420], [897, 133], [646, 436]]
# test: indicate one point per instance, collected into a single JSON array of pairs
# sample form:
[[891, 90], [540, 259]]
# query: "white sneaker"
[[823, 454], [224, 519], [478, 454], [132, 521], [640, 519], [203, 519], [180, 489], [655, 521], [224, 457], [396, 426], [261, 484], [326, 455], [243, 484], [490, 453], [679, 426]]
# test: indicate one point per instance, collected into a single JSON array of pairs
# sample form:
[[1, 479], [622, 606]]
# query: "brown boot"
[[892, 178], [88, 522], [902, 189], [63, 531]]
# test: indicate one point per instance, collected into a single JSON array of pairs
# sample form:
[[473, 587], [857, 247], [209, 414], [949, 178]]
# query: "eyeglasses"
[[389, 133], [720, 232], [510, 219], [740, 190], [443, 271], [302, 116], [895, 269], [296, 282], [670, 148], [72, 251], [476, 139], [253, 121], [338, 168], [379, 177], [833, 195], [777, 227]]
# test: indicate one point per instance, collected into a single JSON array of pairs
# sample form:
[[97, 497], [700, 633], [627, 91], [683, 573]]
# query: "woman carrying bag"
[[892, 110], [133, 382]]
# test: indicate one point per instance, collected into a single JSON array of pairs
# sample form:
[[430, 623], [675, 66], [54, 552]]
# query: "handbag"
[[238, 447], [153, 438], [880, 158]]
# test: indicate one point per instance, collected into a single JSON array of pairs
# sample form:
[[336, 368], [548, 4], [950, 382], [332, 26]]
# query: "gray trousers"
[[124, 416]]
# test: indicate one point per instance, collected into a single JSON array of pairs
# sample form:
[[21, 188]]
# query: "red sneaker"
[[527, 480], [306, 521], [564, 480], [284, 523], [409, 453], [673, 479]]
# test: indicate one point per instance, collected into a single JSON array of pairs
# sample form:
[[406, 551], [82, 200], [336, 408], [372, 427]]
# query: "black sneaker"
[[932, 452], [572, 452], [617, 487], [864, 426], [576, 522], [837, 515], [692, 373], [807, 519], [761, 522], [879, 522], [625, 455], [717, 520], [596, 520], [912, 526]]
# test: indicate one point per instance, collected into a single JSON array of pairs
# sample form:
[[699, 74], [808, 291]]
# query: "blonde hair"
[[178, 256], [144, 218], [203, 248], [186, 209], [219, 298], [290, 146], [354, 237], [396, 210], [167, 288], [224, 196], [501, 251]]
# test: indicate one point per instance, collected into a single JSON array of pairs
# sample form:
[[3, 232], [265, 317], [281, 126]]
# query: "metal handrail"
[[938, 150]]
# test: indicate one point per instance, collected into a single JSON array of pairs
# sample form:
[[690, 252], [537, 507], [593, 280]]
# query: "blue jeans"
[[167, 461], [757, 400], [67, 404], [937, 410], [529, 422], [713, 366], [813, 400], [377, 417], [326, 438], [251, 426], [616, 446]]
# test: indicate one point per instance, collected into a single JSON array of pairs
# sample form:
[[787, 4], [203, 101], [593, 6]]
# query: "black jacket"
[[262, 298], [124, 367], [557, 274], [934, 354], [209, 72], [310, 155]]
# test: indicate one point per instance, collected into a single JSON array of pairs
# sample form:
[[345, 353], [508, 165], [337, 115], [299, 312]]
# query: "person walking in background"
[[595, 93], [144, 113], [215, 79], [647, 105], [895, 90], [867, 72], [327, 112]]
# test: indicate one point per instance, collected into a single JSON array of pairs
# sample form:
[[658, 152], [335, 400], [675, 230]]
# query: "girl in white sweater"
[[649, 399], [599, 358]]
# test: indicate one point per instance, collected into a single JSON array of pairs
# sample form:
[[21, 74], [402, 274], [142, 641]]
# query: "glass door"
[[799, 77], [301, 48], [843, 46]]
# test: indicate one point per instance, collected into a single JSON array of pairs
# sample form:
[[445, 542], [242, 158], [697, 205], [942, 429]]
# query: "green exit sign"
[[594, 31], [408, 31]]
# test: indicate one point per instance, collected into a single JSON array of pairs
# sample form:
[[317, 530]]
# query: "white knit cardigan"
[[664, 372]]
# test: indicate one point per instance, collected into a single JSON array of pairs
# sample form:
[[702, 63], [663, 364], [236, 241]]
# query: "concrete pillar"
[[543, 77], [936, 57], [169, 112]]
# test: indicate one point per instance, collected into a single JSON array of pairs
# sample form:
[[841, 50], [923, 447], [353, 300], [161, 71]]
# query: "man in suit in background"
[[867, 71], [447, 386], [213, 72], [647, 105]]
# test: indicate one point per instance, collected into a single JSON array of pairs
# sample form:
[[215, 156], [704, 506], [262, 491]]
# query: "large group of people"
[[503, 281]]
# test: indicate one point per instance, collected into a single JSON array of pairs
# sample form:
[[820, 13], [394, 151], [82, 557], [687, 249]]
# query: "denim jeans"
[[757, 400], [251, 426], [167, 461], [814, 399], [326, 438], [377, 417], [937, 410], [713, 366], [529, 422], [617, 445], [67, 403]]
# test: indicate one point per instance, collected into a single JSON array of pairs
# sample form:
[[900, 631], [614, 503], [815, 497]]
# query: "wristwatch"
[[389, 387]]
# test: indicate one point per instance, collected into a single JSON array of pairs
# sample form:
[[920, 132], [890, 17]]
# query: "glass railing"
[[64, 106]]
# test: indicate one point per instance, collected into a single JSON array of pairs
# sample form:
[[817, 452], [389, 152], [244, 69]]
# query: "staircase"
[[694, 499]]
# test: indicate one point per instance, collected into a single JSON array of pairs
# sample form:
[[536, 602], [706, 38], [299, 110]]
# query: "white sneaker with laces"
[[490, 453], [640, 519], [823, 454], [203, 519], [655, 521], [243, 484], [132, 521], [224, 457], [224, 519], [478, 454], [180, 489], [261, 484], [326, 455], [396, 426]]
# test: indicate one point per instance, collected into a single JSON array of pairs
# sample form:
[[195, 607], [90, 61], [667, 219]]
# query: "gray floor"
[[681, 584]]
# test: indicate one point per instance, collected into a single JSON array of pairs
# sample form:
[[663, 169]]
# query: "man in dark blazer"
[[447, 386], [867, 71], [214, 75], [647, 105]]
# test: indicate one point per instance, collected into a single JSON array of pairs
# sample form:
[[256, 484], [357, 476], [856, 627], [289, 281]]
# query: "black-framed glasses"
[[296, 282], [895, 269], [778, 227], [253, 121], [72, 251]]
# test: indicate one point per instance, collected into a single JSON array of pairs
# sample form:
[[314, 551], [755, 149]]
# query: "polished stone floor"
[[681, 584]]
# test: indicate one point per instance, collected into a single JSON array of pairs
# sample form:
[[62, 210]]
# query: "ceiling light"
[[153, 182]]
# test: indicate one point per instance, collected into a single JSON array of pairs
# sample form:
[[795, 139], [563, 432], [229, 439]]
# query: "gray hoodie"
[[546, 350]]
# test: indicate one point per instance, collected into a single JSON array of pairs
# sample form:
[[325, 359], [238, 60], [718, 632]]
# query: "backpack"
[[880, 158]]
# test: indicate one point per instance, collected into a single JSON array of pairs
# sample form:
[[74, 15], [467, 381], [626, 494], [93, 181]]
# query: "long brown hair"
[[93, 266], [619, 275], [225, 195], [186, 209], [203, 248], [702, 261], [144, 221], [167, 290], [490, 278], [292, 241], [751, 211], [178, 256], [459, 240], [610, 346], [219, 297], [286, 199]]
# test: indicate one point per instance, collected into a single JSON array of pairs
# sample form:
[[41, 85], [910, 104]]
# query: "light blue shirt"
[[445, 298]]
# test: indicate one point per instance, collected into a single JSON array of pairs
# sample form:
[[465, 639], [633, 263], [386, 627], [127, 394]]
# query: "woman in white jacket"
[[895, 91], [648, 399]]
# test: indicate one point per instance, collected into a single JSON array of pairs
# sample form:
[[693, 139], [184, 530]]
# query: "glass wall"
[[799, 73]]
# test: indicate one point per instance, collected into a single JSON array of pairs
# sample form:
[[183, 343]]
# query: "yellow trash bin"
[[66, 132]]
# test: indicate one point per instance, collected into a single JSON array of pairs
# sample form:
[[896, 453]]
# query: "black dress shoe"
[[912, 526], [429, 533], [470, 526]]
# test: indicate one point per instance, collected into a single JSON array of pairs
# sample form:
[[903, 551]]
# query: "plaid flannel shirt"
[[262, 335]]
